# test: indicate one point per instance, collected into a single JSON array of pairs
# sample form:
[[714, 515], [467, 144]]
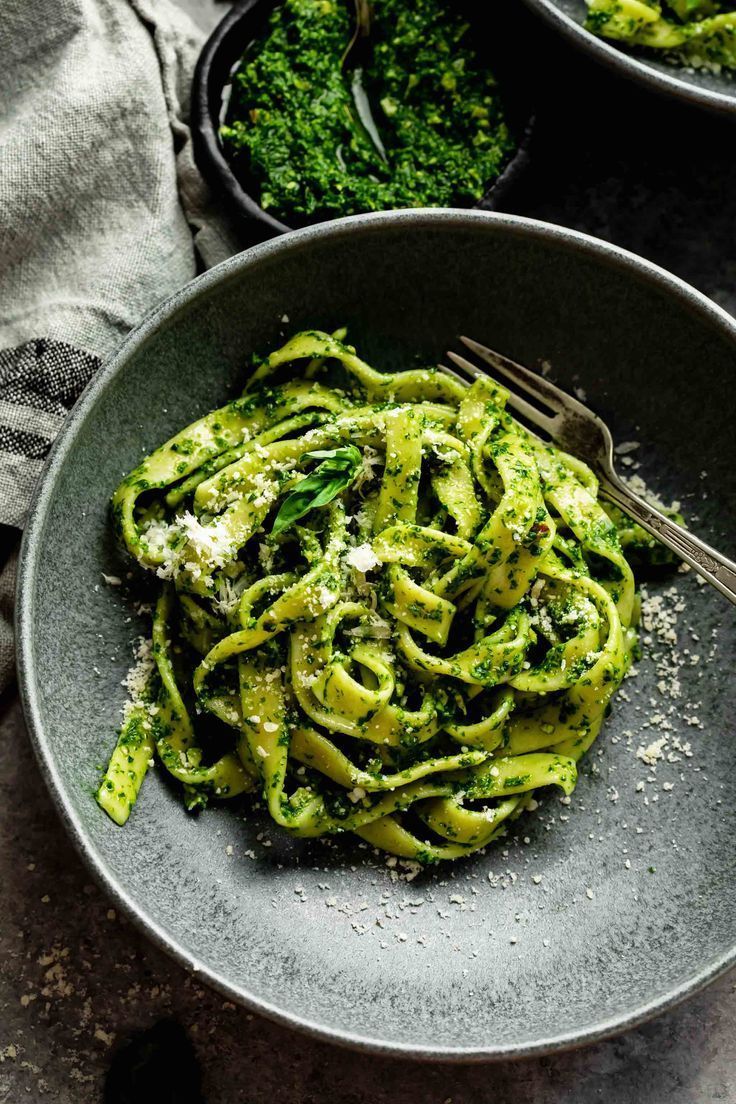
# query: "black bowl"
[[210, 93]]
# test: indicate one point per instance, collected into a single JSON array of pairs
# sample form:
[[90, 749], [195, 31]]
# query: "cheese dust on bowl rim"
[[596, 911]]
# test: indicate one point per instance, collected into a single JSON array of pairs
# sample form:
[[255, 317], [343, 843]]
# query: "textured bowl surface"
[[716, 91], [454, 964]]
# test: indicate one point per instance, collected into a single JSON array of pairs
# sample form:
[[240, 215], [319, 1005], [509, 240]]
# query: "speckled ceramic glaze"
[[635, 907], [716, 91]]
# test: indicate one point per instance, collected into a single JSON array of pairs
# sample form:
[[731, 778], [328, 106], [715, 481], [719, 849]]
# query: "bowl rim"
[[629, 65], [253, 221], [691, 300], [208, 153]]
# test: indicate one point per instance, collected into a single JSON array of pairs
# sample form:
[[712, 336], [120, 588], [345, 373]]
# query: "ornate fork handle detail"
[[717, 569]]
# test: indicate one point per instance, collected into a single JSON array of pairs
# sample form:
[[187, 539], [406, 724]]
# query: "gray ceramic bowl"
[[716, 91], [453, 965]]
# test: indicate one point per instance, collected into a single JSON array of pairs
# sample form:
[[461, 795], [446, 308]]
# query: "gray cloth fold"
[[101, 208]]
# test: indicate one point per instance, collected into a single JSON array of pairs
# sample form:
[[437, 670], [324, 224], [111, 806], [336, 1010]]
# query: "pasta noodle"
[[698, 33], [384, 605]]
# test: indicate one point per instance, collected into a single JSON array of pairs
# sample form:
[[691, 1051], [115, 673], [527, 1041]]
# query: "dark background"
[[86, 1002]]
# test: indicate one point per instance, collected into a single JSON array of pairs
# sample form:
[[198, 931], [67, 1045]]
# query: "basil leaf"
[[348, 453], [333, 475]]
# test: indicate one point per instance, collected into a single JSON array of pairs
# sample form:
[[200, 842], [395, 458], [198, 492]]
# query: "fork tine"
[[453, 375], [533, 413], [531, 382], [470, 369]]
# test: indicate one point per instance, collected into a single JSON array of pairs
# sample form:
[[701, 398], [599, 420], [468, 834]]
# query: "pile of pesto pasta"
[[700, 33], [384, 607]]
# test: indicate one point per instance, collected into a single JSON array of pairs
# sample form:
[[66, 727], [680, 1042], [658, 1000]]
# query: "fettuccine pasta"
[[384, 606]]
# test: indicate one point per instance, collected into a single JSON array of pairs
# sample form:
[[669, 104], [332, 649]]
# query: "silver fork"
[[580, 432]]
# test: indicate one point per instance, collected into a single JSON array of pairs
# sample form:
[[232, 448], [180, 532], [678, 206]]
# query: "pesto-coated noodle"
[[402, 612], [697, 33]]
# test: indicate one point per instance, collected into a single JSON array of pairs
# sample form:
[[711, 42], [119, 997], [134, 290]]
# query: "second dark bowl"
[[222, 52]]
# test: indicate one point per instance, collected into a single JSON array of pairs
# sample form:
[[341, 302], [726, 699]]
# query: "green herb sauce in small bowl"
[[421, 122]]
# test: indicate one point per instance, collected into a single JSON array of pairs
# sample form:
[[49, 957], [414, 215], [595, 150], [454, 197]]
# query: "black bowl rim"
[[628, 65], [691, 300], [216, 169]]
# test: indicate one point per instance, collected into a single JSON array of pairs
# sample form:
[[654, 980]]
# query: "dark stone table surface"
[[77, 982]]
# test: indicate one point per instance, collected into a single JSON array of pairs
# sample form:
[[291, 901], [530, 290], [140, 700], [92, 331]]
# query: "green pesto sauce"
[[698, 33], [293, 126]]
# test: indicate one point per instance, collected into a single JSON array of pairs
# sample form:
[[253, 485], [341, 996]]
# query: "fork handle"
[[717, 569]]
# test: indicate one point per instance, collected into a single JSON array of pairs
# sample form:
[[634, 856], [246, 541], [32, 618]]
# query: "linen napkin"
[[102, 214]]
